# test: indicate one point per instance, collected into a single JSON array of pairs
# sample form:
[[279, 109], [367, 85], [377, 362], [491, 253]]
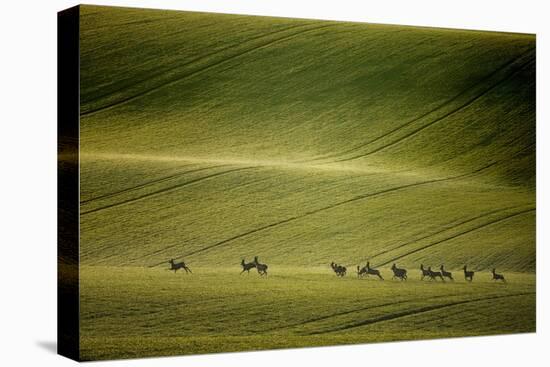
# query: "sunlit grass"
[[213, 138], [131, 312]]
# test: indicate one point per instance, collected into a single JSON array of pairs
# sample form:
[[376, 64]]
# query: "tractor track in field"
[[415, 312], [293, 218], [201, 70], [168, 189], [342, 313], [191, 62], [155, 37], [216, 244], [179, 244], [509, 158], [439, 119], [148, 183], [312, 212], [438, 108], [447, 228], [456, 235]]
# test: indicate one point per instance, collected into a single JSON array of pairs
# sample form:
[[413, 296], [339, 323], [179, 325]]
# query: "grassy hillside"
[[158, 313], [219, 137]]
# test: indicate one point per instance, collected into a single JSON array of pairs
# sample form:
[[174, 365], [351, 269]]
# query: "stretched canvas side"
[[68, 88]]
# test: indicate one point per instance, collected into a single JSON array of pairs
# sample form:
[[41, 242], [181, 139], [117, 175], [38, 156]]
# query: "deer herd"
[[262, 268], [401, 274], [365, 271]]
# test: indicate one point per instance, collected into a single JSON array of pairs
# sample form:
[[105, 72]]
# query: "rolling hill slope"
[[216, 137], [295, 130]]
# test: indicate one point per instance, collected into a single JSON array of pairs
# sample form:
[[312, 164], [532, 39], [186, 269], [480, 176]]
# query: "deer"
[[399, 273], [468, 275], [435, 274], [446, 274], [247, 266], [425, 272], [181, 265], [498, 276], [371, 271], [342, 269], [338, 269], [262, 268], [361, 271]]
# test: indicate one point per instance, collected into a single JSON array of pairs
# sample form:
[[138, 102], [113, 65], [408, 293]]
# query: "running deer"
[[338, 269], [371, 271], [498, 276], [468, 275], [399, 273], [361, 271], [181, 265], [446, 274], [435, 274], [425, 272], [262, 268], [247, 266]]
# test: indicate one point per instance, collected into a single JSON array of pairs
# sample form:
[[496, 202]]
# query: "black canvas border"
[[68, 110]]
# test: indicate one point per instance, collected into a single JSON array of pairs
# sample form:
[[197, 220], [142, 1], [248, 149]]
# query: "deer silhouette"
[[399, 273], [262, 268], [371, 271], [338, 269], [468, 275], [498, 276], [247, 266], [181, 265], [425, 272], [434, 274], [446, 274]]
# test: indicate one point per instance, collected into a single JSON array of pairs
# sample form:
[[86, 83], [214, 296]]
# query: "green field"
[[212, 138]]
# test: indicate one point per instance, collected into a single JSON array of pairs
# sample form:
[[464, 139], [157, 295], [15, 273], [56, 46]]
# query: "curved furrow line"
[[168, 189], [436, 109], [312, 212], [342, 313], [326, 317], [356, 198], [521, 151], [415, 312], [217, 244], [449, 161], [140, 186], [201, 70], [437, 120], [156, 252], [191, 62], [397, 188], [440, 231], [214, 245], [521, 137], [457, 235]]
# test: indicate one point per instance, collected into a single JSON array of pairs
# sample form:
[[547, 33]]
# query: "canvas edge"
[[68, 90]]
